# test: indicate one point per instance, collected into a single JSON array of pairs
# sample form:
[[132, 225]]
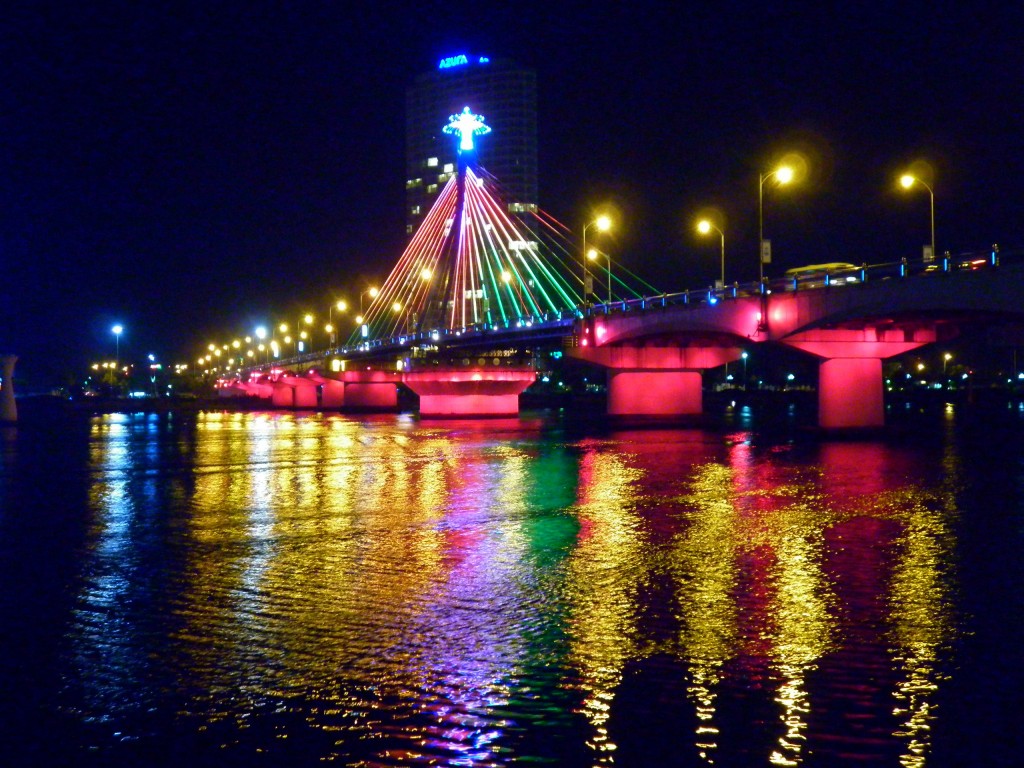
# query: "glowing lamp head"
[[261, 332], [359, 319], [603, 223], [592, 254], [283, 327], [373, 293], [784, 174], [907, 181], [308, 319], [117, 330], [329, 328], [341, 306], [506, 276], [426, 274], [397, 306], [704, 226]]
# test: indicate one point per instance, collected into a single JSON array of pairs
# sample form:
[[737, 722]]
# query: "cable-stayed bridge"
[[480, 288]]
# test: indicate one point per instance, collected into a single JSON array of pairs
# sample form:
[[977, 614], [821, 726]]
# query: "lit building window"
[[415, 210], [431, 162], [432, 188], [449, 167]]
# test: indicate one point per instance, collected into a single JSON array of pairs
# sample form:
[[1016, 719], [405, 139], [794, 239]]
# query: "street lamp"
[[744, 356], [704, 227], [592, 255], [373, 295], [908, 180], [117, 330], [783, 174], [603, 224], [341, 305], [945, 360], [303, 334]]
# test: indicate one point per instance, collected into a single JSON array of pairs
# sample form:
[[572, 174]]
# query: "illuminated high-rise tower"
[[503, 91]]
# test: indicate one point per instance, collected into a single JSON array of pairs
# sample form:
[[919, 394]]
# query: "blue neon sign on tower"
[[461, 60]]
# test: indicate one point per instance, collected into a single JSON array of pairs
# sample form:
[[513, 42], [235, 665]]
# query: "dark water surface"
[[301, 589]]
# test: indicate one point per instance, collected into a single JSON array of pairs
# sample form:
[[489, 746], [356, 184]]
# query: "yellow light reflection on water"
[[320, 545], [704, 558], [605, 571]]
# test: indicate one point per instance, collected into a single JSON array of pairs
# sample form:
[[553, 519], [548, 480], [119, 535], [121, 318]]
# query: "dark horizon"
[[202, 173]]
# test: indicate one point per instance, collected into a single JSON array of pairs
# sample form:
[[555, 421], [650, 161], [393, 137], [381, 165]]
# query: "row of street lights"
[[275, 341], [784, 174]]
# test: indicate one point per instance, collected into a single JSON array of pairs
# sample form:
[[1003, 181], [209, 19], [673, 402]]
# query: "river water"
[[303, 589]]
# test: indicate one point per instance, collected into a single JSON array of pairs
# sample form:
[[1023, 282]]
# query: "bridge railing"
[[824, 278]]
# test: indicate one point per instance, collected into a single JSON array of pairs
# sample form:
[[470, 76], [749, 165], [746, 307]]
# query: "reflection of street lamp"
[[706, 226], [603, 223], [117, 330], [784, 175], [908, 180]]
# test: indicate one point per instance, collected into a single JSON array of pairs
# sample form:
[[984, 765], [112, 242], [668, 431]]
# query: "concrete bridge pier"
[[656, 381], [8, 406], [850, 386], [332, 391], [371, 390], [295, 392], [462, 392]]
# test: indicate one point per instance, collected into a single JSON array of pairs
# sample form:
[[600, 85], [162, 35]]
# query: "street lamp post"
[[117, 330], [592, 255], [603, 223], [302, 333], [908, 180], [706, 226], [373, 295], [341, 305], [784, 175]]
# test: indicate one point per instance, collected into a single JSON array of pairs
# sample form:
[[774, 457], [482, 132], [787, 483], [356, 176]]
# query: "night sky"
[[193, 169]]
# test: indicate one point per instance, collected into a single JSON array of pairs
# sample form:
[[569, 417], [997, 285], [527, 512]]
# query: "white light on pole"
[[117, 330]]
